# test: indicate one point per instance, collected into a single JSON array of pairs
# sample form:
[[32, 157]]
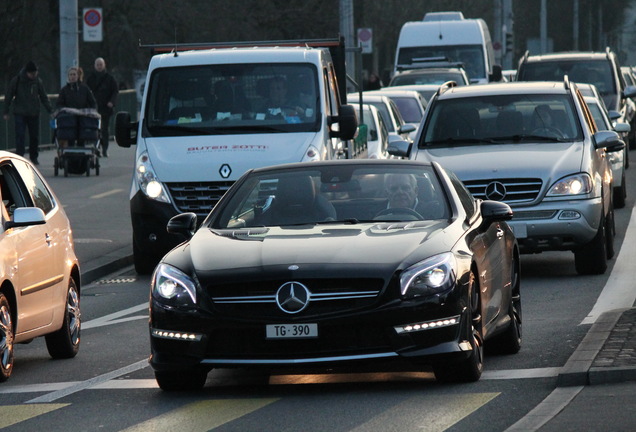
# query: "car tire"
[[610, 234], [591, 258], [469, 369], [6, 339], [183, 380], [509, 342], [65, 342], [144, 262], [620, 194]]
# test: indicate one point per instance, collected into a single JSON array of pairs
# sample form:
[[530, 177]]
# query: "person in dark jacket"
[[24, 95], [105, 89], [75, 94]]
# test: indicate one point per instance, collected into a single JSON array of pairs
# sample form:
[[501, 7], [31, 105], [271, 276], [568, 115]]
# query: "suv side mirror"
[[629, 92], [125, 130], [608, 140], [398, 147]]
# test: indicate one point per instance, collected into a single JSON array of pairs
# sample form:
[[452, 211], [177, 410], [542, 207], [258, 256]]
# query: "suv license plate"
[[291, 331]]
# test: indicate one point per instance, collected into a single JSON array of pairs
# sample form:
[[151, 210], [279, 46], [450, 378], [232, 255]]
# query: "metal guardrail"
[[127, 101]]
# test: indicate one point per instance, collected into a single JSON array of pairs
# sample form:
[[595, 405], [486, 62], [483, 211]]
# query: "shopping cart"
[[77, 141]]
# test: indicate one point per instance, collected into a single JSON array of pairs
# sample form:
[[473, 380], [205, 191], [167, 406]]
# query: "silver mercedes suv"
[[534, 146]]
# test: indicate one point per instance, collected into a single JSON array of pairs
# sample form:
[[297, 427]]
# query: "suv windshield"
[[472, 56], [502, 119], [597, 72], [239, 98]]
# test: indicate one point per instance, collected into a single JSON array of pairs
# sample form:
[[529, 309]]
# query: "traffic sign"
[[365, 39], [92, 24]]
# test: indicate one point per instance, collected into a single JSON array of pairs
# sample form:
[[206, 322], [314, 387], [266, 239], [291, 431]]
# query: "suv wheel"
[[591, 258]]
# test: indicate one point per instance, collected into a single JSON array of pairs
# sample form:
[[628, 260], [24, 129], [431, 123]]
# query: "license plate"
[[520, 230], [291, 331]]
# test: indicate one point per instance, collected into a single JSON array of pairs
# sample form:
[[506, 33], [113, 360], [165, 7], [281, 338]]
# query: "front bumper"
[[369, 337], [556, 225]]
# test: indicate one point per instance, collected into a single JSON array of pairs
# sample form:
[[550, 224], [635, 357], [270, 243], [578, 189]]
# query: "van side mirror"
[[125, 131], [497, 74], [347, 123]]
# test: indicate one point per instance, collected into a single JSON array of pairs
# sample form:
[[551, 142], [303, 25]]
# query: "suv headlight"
[[577, 184], [147, 179], [172, 286], [431, 276]]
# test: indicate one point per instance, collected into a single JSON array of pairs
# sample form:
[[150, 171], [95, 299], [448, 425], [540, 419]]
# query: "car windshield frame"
[[358, 194], [218, 99], [501, 119]]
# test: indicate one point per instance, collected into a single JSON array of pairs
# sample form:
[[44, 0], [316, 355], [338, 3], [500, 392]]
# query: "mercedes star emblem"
[[496, 191], [292, 297]]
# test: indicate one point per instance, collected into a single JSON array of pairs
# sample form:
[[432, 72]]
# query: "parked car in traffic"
[[410, 103], [426, 90], [39, 272], [377, 132], [388, 110], [336, 264], [617, 159], [534, 146]]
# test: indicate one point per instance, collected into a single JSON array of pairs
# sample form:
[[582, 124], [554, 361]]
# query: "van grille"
[[197, 197], [516, 190]]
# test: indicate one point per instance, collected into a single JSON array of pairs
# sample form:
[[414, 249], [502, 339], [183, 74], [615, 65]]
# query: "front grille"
[[258, 299], [521, 190], [197, 197]]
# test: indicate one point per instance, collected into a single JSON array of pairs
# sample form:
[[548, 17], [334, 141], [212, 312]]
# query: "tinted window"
[[466, 198]]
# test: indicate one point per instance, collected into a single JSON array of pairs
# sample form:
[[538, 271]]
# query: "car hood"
[[375, 250], [201, 158], [548, 161]]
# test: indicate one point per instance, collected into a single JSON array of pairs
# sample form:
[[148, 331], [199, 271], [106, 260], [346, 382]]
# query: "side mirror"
[[125, 130], [398, 147], [621, 127], [608, 140], [495, 211], [613, 114], [347, 123], [184, 224], [497, 74], [407, 128], [629, 92], [26, 216]]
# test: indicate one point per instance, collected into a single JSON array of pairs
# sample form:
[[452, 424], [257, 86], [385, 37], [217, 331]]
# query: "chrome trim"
[[42, 285], [312, 297], [299, 361]]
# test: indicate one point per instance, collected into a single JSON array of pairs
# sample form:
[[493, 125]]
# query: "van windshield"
[[472, 56], [232, 99]]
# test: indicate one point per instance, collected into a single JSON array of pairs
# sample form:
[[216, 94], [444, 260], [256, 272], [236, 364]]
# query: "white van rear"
[[455, 38]]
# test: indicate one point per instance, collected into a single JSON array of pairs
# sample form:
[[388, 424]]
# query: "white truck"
[[210, 112], [450, 36]]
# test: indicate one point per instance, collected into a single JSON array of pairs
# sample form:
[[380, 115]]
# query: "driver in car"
[[401, 190]]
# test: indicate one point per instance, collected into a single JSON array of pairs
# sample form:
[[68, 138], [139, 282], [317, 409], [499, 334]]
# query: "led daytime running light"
[[427, 325], [175, 335]]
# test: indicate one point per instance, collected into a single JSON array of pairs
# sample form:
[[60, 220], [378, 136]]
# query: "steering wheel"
[[399, 210], [549, 131]]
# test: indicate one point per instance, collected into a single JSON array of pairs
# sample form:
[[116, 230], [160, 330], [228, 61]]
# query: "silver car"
[[534, 146]]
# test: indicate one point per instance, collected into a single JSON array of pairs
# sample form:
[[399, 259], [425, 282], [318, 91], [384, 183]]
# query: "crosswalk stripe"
[[201, 416], [431, 413], [13, 414]]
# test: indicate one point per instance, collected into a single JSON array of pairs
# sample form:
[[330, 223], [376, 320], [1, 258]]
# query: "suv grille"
[[510, 191], [197, 197]]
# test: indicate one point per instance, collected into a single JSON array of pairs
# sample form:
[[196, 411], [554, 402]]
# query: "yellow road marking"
[[201, 416], [13, 414]]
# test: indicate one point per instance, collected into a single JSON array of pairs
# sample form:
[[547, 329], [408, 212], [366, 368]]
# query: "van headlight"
[[172, 286], [431, 276], [147, 179], [577, 184]]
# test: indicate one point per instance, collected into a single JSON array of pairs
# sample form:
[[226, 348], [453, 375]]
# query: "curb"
[[578, 370], [106, 264]]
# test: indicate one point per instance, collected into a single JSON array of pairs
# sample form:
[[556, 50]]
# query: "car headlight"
[[431, 276], [171, 285], [577, 184], [147, 179]]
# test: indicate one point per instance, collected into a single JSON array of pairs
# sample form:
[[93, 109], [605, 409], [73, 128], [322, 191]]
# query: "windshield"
[[410, 108], [240, 98], [597, 72], [335, 194], [472, 56], [502, 119]]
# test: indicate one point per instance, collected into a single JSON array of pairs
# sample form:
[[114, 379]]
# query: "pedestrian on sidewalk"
[[24, 95], [105, 89]]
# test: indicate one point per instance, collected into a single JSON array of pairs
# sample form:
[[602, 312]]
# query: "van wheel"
[[6, 339], [591, 258]]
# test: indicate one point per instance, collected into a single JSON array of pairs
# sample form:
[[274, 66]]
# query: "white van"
[[208, 115], [452, 37]]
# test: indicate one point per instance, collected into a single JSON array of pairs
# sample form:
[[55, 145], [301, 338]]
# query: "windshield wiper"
[[528, 137], [460, 140]]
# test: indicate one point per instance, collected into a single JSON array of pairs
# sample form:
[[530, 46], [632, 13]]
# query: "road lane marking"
[[618, 292], [107, 193], [83, 385], [14, 414], [201, 416], [440, 413], [546, 410], [114, 318]]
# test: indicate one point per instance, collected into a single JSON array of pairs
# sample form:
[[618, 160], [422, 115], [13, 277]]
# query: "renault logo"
[[225, 171], [292, 297], [496, 191]]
